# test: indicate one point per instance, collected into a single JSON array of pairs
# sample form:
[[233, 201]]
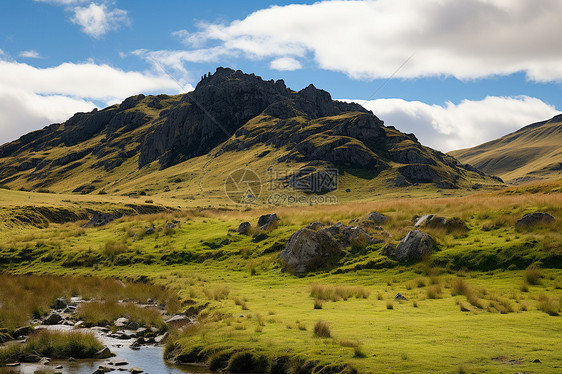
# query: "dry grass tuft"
[[322, 329], [336, 293]]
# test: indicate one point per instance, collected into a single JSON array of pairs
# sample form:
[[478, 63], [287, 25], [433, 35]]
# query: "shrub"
[[322, 329], [318, 303], [549, 305], [218, 293], [533, 275], [433, 291]]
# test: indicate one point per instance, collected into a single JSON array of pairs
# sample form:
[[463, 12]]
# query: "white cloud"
[[285, 63], [469, 123], [30, 54], [97, 20], [31, 97], [370, 39]]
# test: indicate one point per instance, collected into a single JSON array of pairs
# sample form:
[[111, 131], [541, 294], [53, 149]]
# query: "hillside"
[[531, 153], [185, 145]]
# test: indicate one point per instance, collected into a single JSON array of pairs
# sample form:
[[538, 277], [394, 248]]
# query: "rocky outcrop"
[[377, 218], [532, 219], [309, 250], [415, 245], [436, 222], [101, 219]]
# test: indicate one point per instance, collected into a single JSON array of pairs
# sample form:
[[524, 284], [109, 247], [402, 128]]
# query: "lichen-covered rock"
[[377, 218], [437, 222], [52, 319], [415, 245], [309, 250], [533, 219]]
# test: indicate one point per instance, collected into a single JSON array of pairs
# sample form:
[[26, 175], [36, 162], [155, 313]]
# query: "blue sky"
[[475, 70]]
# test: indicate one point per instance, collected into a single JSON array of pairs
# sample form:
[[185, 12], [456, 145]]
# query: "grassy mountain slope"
[[185, 145], [531, 153]]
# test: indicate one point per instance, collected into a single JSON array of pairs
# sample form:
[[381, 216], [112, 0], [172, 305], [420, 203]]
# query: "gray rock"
[[171, 226], [160, 338], [377, 218], [133, 325], [415, 245], [399, 296], [150, 231], [267, 221], [52, 319], [244, 228], [350, 235], [308, 250], [103, 353], [135, 370], [58, 367], [59, 303], [121, 322], [141, 332], [45, 361], [120, 362], [532, 219], [436, 222]]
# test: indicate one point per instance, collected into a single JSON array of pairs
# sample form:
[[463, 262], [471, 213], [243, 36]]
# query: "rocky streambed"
[[128, 346]]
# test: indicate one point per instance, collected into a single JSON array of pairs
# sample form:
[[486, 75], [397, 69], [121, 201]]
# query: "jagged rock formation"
[[232, 112]]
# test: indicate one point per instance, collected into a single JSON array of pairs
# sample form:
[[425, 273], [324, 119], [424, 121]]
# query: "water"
[[149, 358]]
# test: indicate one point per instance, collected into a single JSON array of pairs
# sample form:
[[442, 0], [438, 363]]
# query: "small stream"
[[149, 358]]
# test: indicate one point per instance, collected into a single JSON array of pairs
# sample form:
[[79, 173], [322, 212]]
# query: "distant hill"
[[185, 145], [531, 153]]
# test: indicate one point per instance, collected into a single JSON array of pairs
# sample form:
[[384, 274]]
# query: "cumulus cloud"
[[31, 97], [454, 126], [97, 20], [285, 63], [370, 39], [30, 54]]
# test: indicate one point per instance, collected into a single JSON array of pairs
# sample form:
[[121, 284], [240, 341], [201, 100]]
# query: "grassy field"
[[486, 301]]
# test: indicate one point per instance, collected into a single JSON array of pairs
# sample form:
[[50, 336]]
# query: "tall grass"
[[54, 344], [533, 275], [550, 305], [105, 312], [23, 297], [336, 293], [322, 329]]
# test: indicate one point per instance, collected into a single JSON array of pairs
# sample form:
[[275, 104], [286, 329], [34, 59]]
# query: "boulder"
[[150, 231], [30, 358], [377, 218], [178, 320], [135, 370], [533, 219], [160, 338], [103, 353], [267, 221], [308, 250], [121, 322], [399, 297], [120, 362], [350, 235], [244, 228], [59, 303], [436, 222], [52, 319], [132, 325], [415, 245]]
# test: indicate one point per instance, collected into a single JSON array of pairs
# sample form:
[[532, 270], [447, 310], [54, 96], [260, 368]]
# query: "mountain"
[[533, 152], [185, 145]]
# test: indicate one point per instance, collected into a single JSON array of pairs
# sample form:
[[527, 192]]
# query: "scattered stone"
[[135, 370], [377, 218], [120, 362], [103, 369], [21, 331], [79, 324], [436, 222], [267, 221], [141, 332], [150, 231], [536, 361], [59, 303], [123, 336], [121, 322], [103, 353], [159, 339], [44, 361], [399, 296], [52, 319], [350, 235], [171, 226], [58, 367], [244, 228], [415, 245], [71, 359], [13, 364], [533, 219], [133, 326], [308, 250]]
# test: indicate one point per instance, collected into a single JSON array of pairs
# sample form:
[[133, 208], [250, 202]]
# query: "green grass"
[[98, 313]]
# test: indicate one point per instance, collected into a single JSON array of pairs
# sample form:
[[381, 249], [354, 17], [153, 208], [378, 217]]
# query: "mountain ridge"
[[529, 154], [229, 116]]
